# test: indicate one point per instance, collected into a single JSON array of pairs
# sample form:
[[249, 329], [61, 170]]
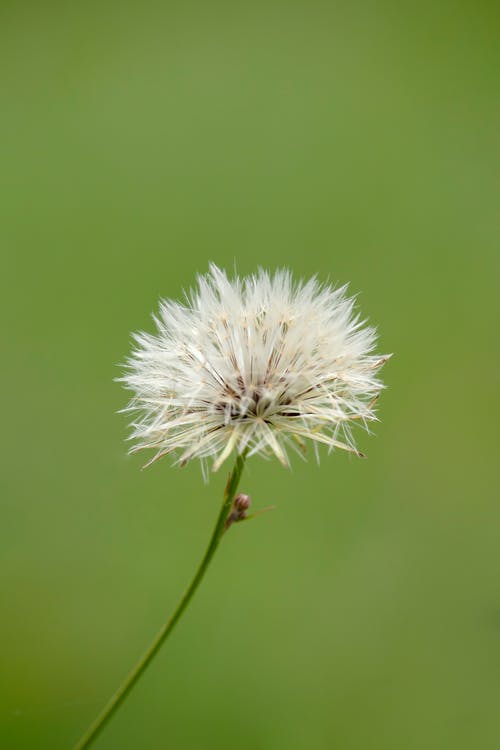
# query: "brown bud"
[[241, 502]]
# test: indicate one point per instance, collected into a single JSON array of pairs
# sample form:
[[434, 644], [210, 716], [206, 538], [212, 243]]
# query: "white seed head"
[[255, 365]]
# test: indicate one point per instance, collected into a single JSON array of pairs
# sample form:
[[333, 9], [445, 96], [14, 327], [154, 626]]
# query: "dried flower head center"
[[256, 402]]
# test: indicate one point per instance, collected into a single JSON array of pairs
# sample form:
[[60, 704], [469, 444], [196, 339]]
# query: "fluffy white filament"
[[255, 364]]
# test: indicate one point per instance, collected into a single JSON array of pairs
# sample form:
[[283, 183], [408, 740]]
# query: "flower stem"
[[117, 699]]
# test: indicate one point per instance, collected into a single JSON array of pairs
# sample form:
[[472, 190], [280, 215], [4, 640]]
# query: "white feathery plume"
[[255, 365]]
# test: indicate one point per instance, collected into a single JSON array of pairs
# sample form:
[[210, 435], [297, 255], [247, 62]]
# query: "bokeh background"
[[358, 141]]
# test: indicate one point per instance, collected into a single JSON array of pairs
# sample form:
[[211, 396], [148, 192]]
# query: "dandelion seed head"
[[260, 364]]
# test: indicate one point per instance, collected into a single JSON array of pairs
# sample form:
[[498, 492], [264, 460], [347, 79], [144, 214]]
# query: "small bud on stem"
[[241, 504]]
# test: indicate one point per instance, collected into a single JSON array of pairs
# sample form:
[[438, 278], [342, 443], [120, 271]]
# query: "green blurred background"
[[358, 141]]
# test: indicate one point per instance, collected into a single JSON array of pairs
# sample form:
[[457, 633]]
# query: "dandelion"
[[260, 365], [256, 365]]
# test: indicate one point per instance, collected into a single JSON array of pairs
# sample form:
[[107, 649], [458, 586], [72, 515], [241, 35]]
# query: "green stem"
[[117, 699]]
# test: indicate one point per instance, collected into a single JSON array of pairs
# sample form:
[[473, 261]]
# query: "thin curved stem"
[[117, 699]]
